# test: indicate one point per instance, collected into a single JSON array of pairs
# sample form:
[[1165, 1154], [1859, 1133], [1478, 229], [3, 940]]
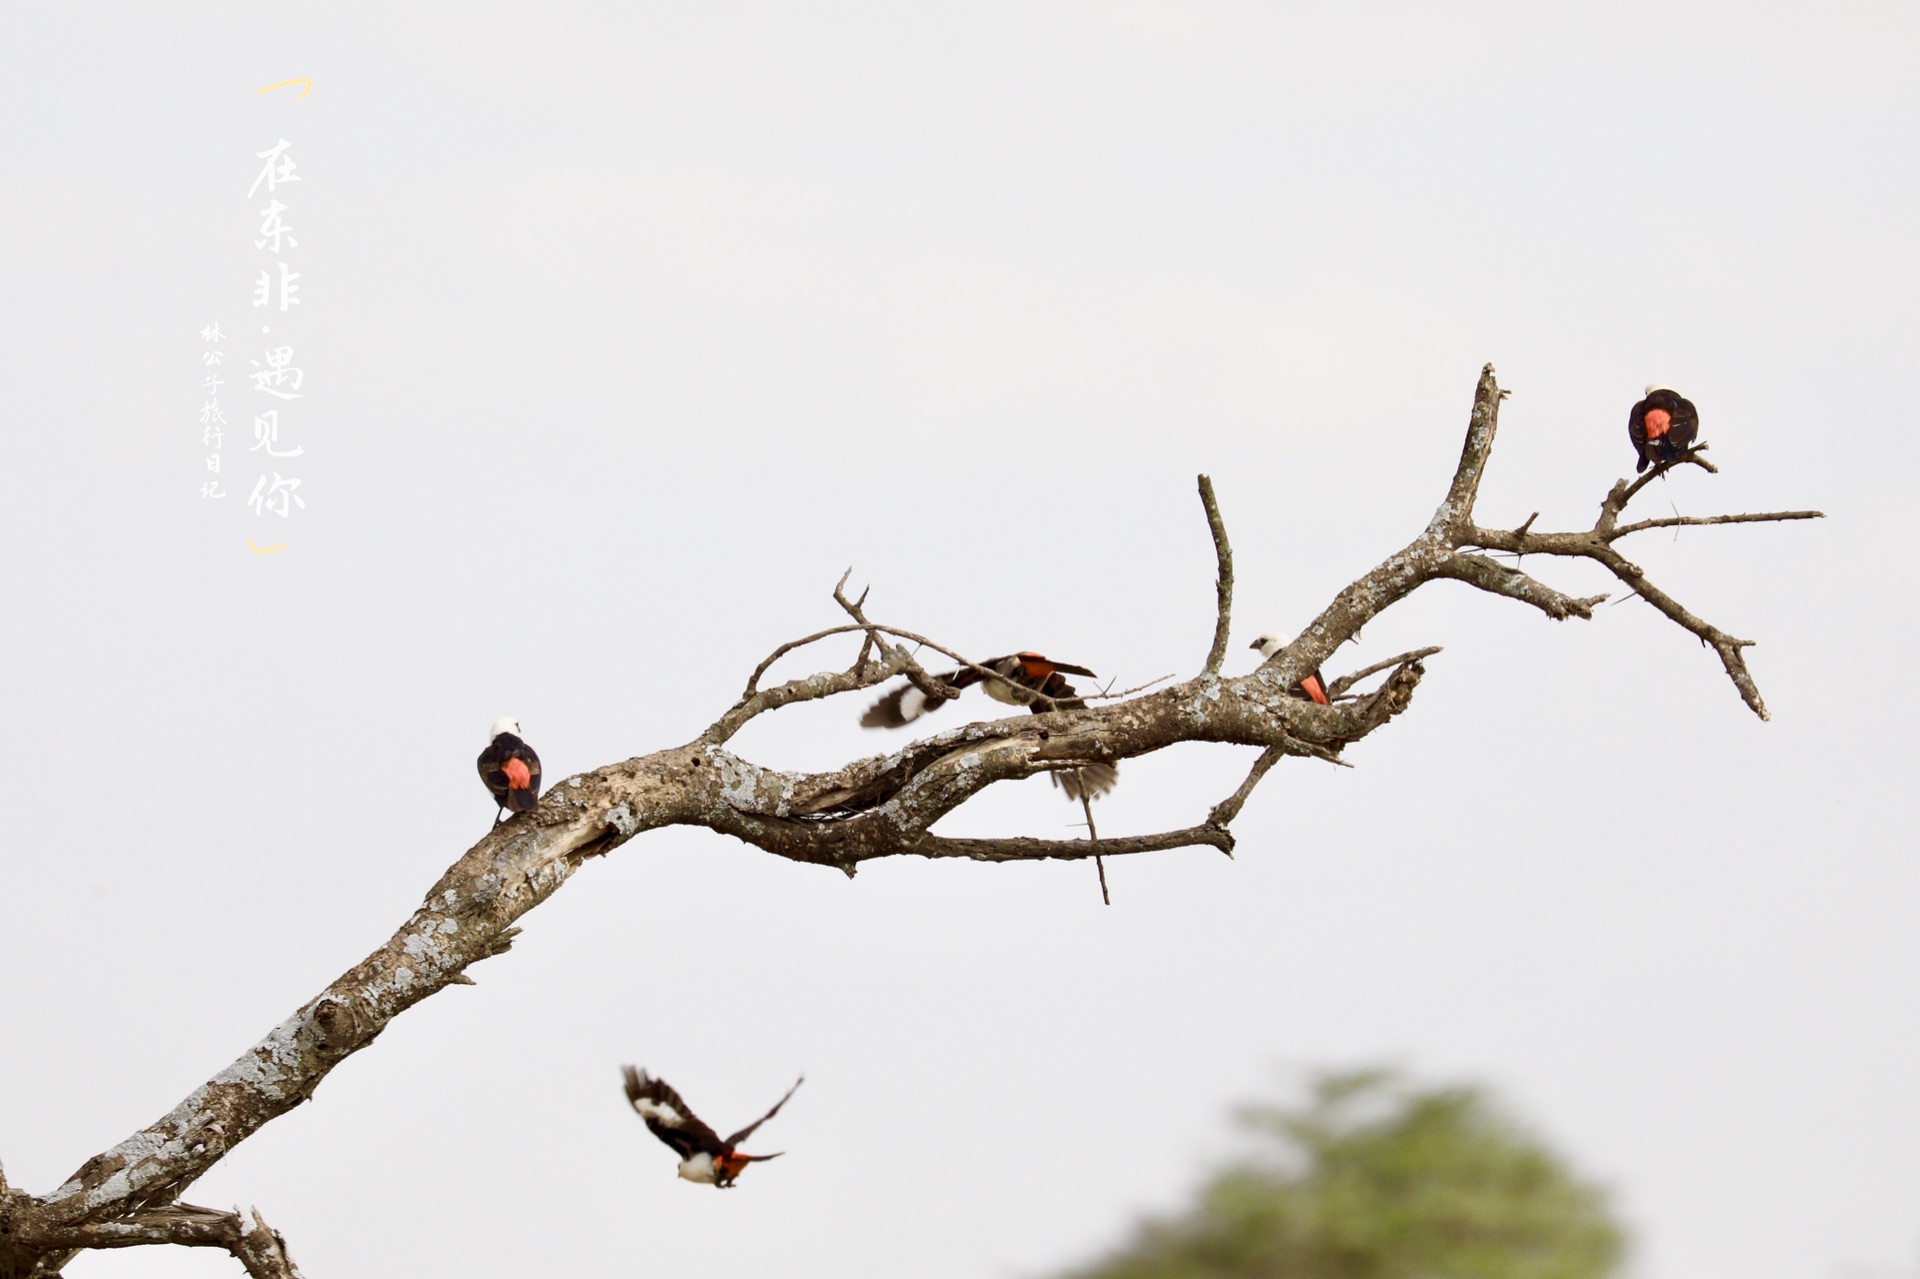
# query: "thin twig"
[[1677, 521], [1496, 578], [921, 680], [934, 690], [1229, 808], [753, 681], [1223, 583], [1021, 849], [1624, 491], [1105, 696], [1093, 834], [1346, 682]]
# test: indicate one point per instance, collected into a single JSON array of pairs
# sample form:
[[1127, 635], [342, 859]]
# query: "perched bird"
[[1662, 426], [703, 1156], [1022, 676], [1313, 688], [510, 769]]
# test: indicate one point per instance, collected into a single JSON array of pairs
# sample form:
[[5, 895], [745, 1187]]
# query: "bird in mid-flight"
[[703, 1156], [1662, 426], [1024, 678], [510, 769], [1313, 688]]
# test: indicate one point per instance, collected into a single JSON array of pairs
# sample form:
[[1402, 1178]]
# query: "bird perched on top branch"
[[1662, 426], [703, 1156], [1019, 679]]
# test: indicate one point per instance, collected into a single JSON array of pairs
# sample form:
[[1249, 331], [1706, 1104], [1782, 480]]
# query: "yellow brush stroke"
[[284, 83], [266, 550]]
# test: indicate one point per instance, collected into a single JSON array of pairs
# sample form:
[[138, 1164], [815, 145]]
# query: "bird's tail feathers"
[[899, 708], [1092, 780]]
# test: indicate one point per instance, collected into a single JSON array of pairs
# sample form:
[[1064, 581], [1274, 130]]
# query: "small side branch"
[[933, 688], [1404, 572], [1500, 579], [263, 1250], [1457, 511], [257, 1246], [1724, 645], [1597, 544], [1223, 584], [864, 673], [1093, 836], [825, 684], [1028, 850], [1346, 682], [1678, 521], [1624, 491], [753, 680], [1223, 813]]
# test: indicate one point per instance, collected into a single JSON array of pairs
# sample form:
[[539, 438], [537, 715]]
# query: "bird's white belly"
[[698, 1168], [1007, 693]]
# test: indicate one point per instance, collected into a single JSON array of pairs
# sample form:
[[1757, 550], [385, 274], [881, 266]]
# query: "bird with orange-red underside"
[[1313, 688], [510, 769], [1021, 675], [704, 1157], [1662, 426]]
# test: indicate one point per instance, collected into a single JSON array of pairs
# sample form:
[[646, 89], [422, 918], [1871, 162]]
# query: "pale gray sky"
[[627, 329]]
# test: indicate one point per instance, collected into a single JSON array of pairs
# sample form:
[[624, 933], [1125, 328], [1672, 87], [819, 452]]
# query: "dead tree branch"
[[1346, 682], [1677, 521], [881, 806], [1223, 582], [257, 1246], [1496, 578], [1229, 808]]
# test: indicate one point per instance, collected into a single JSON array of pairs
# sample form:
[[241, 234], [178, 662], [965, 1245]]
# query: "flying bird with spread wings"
[[1019, 679], [703, 1156]]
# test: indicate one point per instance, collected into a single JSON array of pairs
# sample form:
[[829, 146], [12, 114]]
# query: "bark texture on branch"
[[881, 806]]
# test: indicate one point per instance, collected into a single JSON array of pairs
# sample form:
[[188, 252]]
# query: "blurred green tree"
[[1373, 1179]]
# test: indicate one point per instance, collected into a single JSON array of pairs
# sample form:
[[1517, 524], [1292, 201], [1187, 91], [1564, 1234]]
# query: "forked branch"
[[879, 806]]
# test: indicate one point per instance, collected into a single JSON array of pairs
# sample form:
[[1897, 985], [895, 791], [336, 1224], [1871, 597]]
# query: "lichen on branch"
[[878, 806]]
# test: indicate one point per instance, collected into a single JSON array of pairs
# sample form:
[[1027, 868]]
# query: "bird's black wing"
[[493, 767], [1091, 780], [967, 676], [892, 711], [1059, 691], [747, 1132], [1637, 432], [1686, 425], [669, 1118]]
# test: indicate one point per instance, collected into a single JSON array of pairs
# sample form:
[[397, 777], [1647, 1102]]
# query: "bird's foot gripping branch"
[[881, 806]]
